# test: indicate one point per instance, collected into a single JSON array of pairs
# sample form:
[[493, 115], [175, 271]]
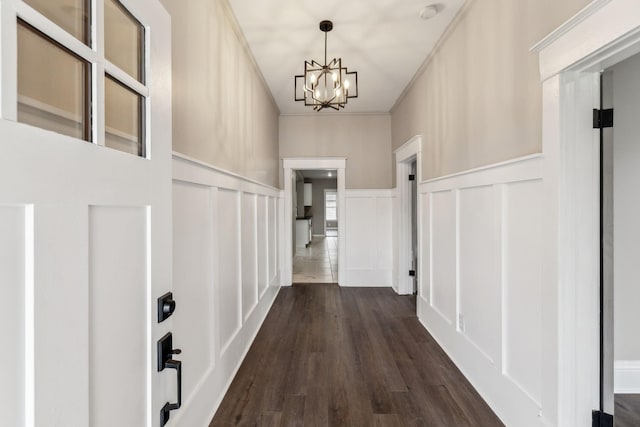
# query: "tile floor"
[[317, 263]]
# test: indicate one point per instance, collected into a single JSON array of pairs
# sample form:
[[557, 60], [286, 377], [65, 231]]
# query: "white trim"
[[235, 26], [571, 23], [409, 148], [290, 165], [570, 61], [627, 376], [485, 168], [182, 158], [436, 49], [405, 155], [8, 67], [594, 40]]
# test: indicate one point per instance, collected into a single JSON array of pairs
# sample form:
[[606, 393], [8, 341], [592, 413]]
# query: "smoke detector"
[[429, 12]]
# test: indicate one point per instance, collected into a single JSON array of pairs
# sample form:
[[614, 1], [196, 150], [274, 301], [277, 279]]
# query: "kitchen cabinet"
[[307, 193], [303, 232]]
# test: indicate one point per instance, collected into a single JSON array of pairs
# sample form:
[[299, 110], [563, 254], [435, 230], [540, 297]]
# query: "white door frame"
[[405, 155], [601, 35], [312, 163]]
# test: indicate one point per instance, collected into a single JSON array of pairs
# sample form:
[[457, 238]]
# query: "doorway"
[[620, 207], [407, 265], [301, 242], [315, 253]]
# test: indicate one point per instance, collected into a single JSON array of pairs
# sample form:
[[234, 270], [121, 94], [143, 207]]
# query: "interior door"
[[414, 227], [85, 211]]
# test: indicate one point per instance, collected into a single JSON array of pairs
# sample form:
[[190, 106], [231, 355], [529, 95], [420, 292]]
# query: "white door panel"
[[13, 223], [85, 248], [118, 256]]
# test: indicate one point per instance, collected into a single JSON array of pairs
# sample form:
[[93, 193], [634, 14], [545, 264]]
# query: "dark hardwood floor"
[[627, 410], [331, 356]]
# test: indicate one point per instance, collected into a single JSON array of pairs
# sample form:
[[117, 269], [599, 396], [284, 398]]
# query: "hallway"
[[317, 263], [331, 356]]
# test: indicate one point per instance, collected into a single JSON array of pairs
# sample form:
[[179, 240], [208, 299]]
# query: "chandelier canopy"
[[328, 85]]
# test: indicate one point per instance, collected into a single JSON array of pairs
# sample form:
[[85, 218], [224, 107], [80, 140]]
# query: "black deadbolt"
[[166, 306]]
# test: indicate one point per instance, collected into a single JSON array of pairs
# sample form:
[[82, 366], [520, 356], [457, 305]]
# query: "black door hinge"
[[602, 118], [412, 273], [412, 177], [601, 419]]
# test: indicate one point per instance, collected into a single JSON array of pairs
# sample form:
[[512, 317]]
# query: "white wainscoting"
[[481, 287], [626, 376], [226, 270], [368, 238]]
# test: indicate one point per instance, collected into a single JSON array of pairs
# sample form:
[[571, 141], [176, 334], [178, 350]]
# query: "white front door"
[[85, 211]]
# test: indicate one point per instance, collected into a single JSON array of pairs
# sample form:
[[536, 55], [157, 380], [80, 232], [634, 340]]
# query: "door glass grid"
[[55, 83], [73, 16], [123, 118], [124, 39], [54, 90]]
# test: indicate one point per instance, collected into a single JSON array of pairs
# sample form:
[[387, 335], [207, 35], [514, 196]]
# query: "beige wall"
[[365, 140], [478, 100], [222, 112]]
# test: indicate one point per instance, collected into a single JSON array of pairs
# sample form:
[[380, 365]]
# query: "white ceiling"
[[385, 41]]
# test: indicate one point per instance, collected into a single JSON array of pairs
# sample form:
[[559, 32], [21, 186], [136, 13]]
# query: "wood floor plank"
[[627, 410], [331, 356]]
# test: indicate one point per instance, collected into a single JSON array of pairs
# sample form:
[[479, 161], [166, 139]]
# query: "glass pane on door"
[[124, 39], [74, 16], [123, 118], [53, 85]]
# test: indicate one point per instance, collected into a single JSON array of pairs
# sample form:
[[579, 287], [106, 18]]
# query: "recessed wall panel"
[[249, 254], [383, 231], [263, 236], [117, 331], [480, 287], [523, 286], [361, 244], [193, 280], [12, 330], [228, 234], [273, 239], [425, 249], [444, 255]]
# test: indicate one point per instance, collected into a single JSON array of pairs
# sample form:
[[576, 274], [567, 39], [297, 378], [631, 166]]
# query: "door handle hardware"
[[166, 306], [165, 412], [165, 361]]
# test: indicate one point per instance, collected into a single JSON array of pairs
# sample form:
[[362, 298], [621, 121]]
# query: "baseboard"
[[367, 278], [626, 376]]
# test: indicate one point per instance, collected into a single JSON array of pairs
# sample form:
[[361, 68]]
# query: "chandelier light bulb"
[[346, 84], [334, 76], [338, 92]]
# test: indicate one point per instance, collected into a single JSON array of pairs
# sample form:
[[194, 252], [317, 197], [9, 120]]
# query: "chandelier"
[[328, 85]]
